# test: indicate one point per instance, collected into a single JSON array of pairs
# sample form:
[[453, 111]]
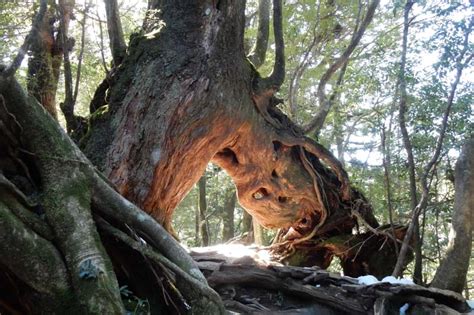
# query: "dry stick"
[[11, 69], [429, 167], [362, 243], [317, 122]]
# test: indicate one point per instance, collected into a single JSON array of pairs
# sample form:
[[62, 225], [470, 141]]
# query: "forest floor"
[[250, 283]]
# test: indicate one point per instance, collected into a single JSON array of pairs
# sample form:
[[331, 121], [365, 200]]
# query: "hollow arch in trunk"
[[186, 95]]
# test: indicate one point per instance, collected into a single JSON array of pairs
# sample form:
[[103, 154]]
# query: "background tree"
[[450, 273]]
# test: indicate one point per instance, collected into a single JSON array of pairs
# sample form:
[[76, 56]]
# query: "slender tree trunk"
[[228, 215], [114, 27], [257, 233], [203, 227], [462, 60], [406, 138], [451, 274], [259, 51], [437, 227], [386, 161], [197, 220], [339, 136], [246, 223]]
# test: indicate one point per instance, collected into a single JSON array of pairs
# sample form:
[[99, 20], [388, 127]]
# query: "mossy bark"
[[36, 262], [66, 199], [67, 202], [451, 274]]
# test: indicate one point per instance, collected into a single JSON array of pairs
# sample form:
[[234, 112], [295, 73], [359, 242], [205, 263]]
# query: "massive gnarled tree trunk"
[[185, 95]]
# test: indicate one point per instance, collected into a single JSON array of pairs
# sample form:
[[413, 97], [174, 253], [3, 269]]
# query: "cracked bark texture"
[[186, 95]]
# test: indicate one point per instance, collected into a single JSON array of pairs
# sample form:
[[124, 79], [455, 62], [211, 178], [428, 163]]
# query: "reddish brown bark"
[[180, 101]]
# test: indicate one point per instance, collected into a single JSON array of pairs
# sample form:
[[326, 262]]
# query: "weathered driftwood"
[[247, 284]]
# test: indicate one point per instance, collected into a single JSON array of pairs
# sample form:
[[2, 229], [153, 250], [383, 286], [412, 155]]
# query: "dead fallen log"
[[249, 284]]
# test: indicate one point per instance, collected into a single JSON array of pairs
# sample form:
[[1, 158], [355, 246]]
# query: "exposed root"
[[192, 284], [324, 211], [291, 136], [323, 154]]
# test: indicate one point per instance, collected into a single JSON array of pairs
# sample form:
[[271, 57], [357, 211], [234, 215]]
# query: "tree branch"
[[276, 78], [324, 104], [67, 107], [11, 69], [31, 258], [114, 27], [257, 56]]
